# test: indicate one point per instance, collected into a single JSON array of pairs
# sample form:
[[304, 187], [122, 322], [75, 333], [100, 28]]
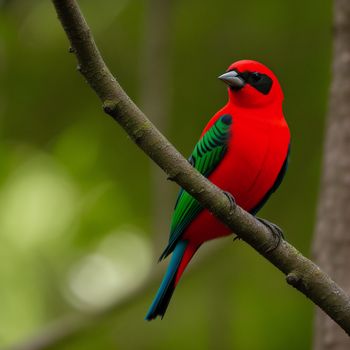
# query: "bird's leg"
[[237, 238], [231, 199], [232, 206], [276, 231]]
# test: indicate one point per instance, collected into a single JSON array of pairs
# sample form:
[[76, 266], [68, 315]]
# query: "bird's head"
[[252, 85]]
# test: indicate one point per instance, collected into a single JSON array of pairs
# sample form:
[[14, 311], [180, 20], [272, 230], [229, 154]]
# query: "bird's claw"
[[231, 199], [276, 231]]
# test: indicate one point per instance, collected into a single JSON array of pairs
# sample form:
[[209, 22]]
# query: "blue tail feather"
[[166, 289]]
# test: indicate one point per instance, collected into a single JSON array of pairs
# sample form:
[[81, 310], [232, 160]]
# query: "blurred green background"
[[76, 195]]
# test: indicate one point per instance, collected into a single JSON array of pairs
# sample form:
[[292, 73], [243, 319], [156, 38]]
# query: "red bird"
[[243, 150]]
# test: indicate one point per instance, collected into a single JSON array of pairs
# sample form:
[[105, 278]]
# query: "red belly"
[[254, 158]]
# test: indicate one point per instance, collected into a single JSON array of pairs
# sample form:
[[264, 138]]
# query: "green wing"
[[205, 157]]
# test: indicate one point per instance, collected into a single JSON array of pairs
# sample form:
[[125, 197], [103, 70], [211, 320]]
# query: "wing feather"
[[206, 156]]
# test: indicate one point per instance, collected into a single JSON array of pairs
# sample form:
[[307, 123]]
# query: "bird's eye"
[[255, 76]]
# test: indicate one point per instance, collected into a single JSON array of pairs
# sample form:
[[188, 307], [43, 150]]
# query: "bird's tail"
[[181, 256]]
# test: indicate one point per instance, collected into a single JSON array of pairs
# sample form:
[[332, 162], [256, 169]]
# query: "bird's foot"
[[231, 199], [276, 231], [232, 206]]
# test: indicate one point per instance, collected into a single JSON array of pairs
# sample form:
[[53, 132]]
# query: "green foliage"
[[75, 193]]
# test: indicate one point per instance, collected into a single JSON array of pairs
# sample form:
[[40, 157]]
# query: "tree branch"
[[301, 273]]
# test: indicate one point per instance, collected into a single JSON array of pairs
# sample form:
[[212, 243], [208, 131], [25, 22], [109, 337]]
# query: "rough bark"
[[332, 236], [300, 272]]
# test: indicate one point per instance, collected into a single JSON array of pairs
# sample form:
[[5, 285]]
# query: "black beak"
[[232, 79]]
